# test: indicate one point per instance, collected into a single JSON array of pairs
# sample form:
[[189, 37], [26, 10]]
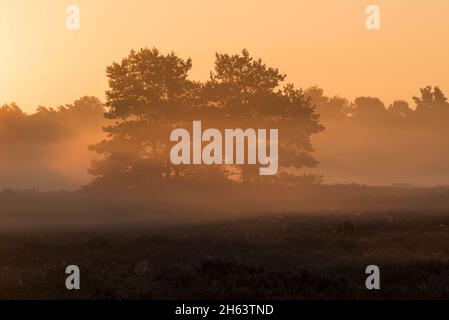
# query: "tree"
[[248, 94], [150, 94], [400, 109], [334, 108], [369, 108], [430, 100]]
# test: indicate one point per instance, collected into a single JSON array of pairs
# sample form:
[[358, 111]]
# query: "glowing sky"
[[321, 42]]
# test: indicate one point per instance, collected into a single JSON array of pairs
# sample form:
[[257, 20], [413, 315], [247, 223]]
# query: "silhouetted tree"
[[369, 108], [248, 94], [150, 94], [400, 109], [334, 108], [430, 100]]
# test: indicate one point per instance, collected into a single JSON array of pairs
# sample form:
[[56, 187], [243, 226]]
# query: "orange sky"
[[321, 42]]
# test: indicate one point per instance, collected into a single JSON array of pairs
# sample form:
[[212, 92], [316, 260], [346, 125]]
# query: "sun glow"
[[5, 56]]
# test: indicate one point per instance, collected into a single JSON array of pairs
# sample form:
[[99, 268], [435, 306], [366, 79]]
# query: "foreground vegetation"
[[321, 256]]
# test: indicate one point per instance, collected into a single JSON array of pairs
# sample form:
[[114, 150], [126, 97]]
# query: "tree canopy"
[[150, 94]]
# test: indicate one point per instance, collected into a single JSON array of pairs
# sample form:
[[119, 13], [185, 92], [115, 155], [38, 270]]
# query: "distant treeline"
[[48, 149], [368, 142]]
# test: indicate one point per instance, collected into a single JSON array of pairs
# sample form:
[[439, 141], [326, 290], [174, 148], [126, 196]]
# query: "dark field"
[[273, 257]]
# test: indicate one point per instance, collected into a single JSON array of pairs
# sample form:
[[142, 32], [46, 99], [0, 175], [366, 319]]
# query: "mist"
[[47, 150], [366, 142]]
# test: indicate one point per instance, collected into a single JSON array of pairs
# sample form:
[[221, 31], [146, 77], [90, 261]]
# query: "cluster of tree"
[[431, 105], [367, 142], [47, 149], [47, 125], [150, 94]]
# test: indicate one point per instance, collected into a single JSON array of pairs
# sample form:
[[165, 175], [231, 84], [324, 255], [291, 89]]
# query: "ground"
[[277, 256]]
